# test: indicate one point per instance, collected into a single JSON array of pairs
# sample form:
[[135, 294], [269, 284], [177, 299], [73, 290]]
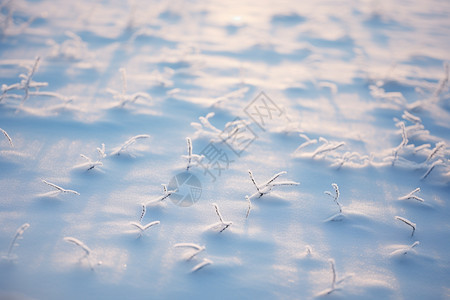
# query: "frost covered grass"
[[349, 99]]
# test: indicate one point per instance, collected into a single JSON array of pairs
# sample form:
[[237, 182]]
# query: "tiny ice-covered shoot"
[[326, 147], [122, 96], [405, 250], [83, 246], [249, 202], [101, 151], [407, 222], [436, 163], [402, 144], [58, 190], [190, 156], [411, 195], [222, 224], [166, 193], [335, 196], [269, 184], [143, 228], [191, 254], [16, 237], [334, 281], [438, 148], [128, 143], [201, 265], [89, 164], [7, 137]]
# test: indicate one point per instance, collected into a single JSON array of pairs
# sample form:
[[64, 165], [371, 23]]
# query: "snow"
[[352, 93]]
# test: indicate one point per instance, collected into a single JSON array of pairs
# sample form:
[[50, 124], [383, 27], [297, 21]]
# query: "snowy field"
[[100, 197]]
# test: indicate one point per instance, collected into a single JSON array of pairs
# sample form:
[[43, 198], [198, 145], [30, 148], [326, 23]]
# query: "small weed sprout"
[[201, 265], [306, 143], [59, 189], [25, 84], [335, 196], [128, 143], [222, 224], [205, 128], [326, 147], [402, 144], [122, 96], [16, 237], [334, 282], [191, 254], [89, 164], [405, 250], [267, 187], [190, 156], [407, 222], [410, 117], [166, 193], [431, 168], [411, 195], [101, 151], [143, 228], [7, 137], [83, 246], [439, 147], [249, 202]]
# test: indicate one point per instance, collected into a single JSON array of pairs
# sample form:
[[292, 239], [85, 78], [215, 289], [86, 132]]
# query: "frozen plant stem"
[[402, 144], [407, 222], [405, 250], [17, 236], [433, 165], [224, 224], [7, 137], [143, 228], [90, 164], [249, 202], [411, 195], [60, 189], [83, 246], [269, 184], [166, 193], [191, 157], [201, 265], [128, 143], [335, 196], [197, 249]]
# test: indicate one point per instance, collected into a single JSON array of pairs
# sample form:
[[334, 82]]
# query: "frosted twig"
[[60, 189], [269, 184], [334, 282], [90, 164], [327, 147], [197, 249], [237, 94], [249, 202], [128, 143], [433, 165], [201, 265], [439, 146], [101, 151], [405, 250], [402, 144], [143, 228], [410, 117], [411, 195], [166, 193], [407, 222], [83, 246], [17, 236], [223, 224], [7, 137], [123, 97], [190, 156], [335, 196], [205, 128], [306, 143], [25, 84]]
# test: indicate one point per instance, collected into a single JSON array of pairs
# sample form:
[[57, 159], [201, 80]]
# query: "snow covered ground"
[[347, 97]]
